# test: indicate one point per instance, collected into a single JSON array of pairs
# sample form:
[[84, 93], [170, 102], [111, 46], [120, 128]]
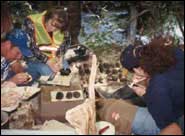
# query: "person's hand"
[[140, 90], [17, 67], [20, 78], [55, 65], [137, 78]]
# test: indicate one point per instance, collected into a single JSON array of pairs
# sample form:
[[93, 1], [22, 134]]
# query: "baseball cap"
[[19, 38], [130, 57]]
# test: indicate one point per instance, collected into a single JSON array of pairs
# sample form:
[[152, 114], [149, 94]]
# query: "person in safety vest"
[[40, 37]]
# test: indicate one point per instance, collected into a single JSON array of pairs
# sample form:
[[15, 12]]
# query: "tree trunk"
[[74, 10], [45, 5], [133, 24], [180, 24]]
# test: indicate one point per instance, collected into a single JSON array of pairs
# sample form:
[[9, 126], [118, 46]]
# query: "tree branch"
[[180, 24], [140, 14]]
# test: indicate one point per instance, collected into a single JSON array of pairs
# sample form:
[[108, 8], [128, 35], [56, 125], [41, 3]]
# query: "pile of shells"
[[84, 72], [23, 118], [113, 73]]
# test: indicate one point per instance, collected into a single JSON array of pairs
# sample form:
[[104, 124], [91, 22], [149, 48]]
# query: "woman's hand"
[[140, 90], [55, 65], [137, 78]]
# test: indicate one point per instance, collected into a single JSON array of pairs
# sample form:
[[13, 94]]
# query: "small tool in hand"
[[52, 76]]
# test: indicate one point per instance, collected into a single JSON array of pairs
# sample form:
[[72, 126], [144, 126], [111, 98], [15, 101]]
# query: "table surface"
[[35, 100]]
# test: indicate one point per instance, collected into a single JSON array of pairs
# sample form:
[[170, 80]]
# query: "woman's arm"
[[159, 103], [29, 29]]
